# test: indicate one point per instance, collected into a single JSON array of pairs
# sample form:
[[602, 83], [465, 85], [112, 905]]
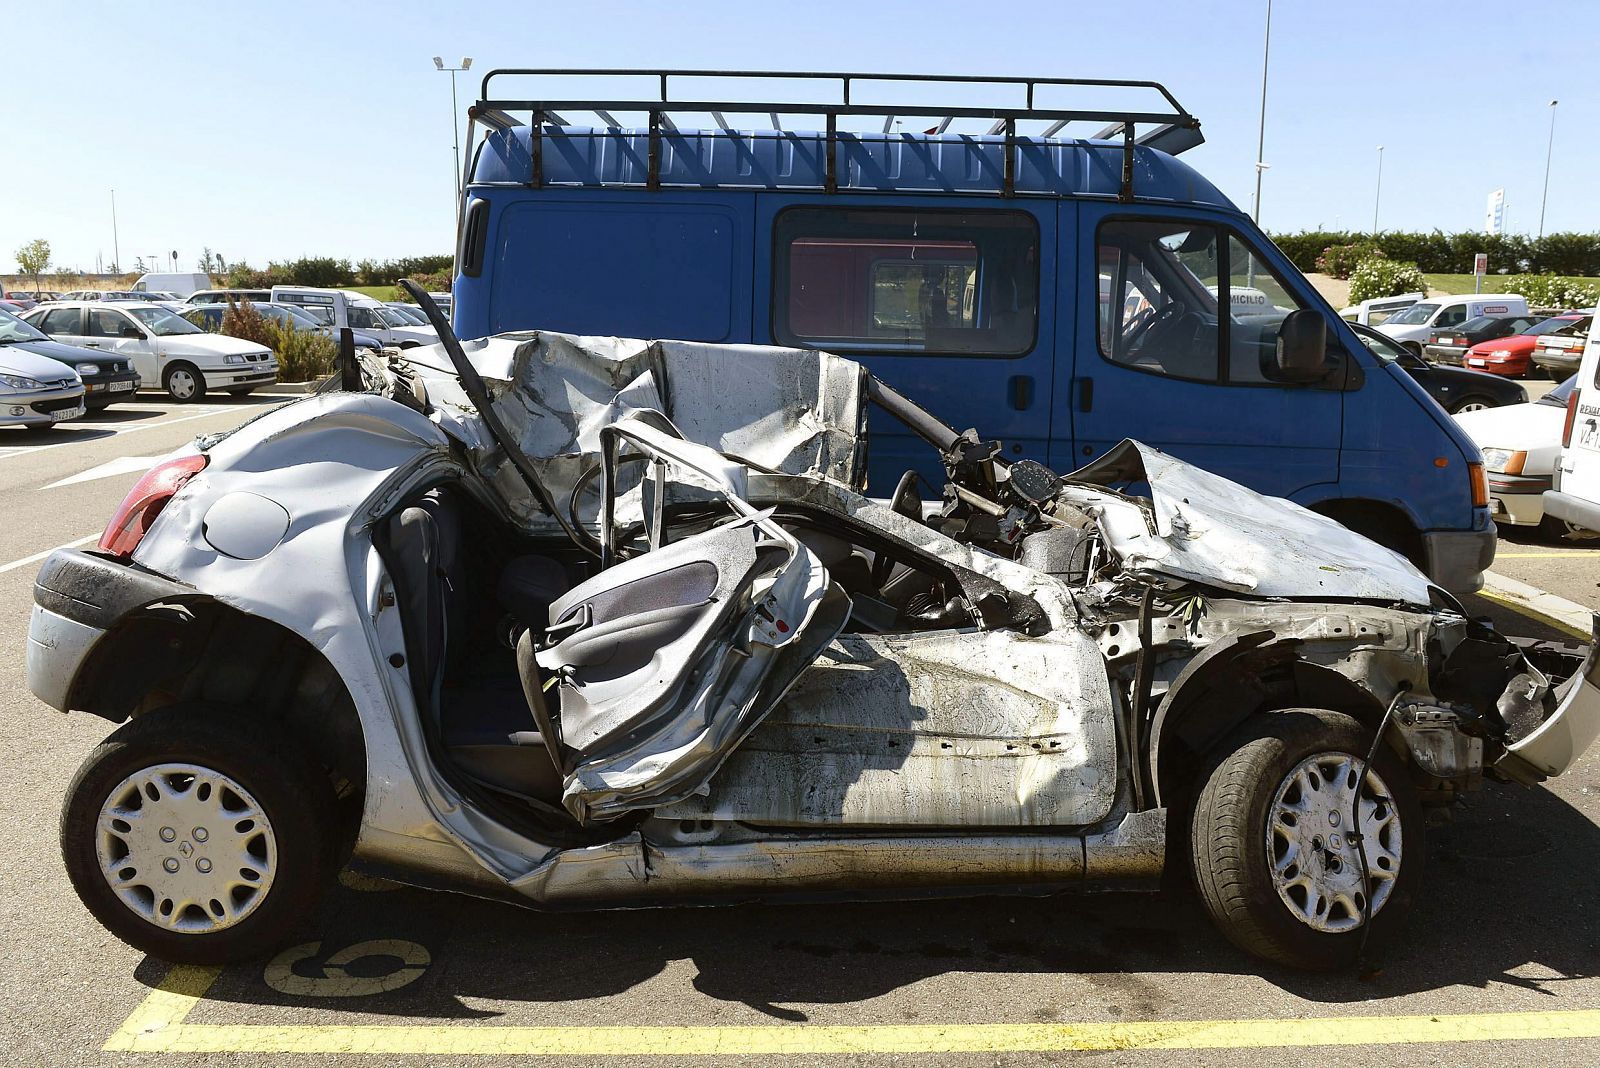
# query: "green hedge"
[[1441, 253], [330, 272]]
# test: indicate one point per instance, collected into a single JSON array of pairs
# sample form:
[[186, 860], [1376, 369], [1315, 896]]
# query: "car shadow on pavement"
[[1510, 889]]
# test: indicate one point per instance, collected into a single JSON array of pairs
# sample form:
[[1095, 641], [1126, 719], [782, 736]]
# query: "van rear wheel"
[[1275, 856], [198, 836]]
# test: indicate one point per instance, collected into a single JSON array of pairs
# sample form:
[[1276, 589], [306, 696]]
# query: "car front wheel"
[[197, 836], [183, 383], [1472, 404], [1276, 858]]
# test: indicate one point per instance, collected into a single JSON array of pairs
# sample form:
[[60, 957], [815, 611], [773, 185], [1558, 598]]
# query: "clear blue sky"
[[277, 130]]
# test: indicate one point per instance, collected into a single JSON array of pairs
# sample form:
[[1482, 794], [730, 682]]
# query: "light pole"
[[116, 248], [1377, 193], [1549, 145], [455, 126], [1261, 134]]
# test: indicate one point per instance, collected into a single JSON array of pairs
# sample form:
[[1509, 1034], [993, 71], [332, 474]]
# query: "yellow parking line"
[[158, 1026]]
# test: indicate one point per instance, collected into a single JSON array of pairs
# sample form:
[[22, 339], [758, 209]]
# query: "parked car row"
[[1495, 333], [43, 382]]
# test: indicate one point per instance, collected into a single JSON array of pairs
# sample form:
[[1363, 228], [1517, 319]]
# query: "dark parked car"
[[1456, 389], [1449, 344], [1559, 352], [106, 376]]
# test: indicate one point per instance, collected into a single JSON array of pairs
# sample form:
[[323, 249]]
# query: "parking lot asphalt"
[[1501, 963]]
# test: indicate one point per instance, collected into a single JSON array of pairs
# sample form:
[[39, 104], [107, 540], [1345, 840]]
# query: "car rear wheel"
[[198, 836], [1472, 404], [184, 383], [1275, 860]]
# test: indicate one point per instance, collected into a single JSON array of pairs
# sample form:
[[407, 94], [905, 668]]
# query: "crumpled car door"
[[664, 662]]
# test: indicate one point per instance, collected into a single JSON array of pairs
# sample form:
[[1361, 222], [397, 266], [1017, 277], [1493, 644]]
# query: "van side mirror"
[[1302, 349]]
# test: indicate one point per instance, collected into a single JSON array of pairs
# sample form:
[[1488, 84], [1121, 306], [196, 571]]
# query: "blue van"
[[1058, 293]]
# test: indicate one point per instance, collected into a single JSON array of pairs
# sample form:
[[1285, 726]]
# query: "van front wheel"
[[1274, 848]]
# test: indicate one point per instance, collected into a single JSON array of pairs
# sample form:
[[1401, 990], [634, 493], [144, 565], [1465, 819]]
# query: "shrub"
[[438, 282], [241, 320], [387, 272], [323, 271], [1378, 276], [1340, 260], [302, 354], [243, 276], [1551, 291]]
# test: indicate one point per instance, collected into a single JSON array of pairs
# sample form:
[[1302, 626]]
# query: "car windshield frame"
[[15, 329], [159, 321], [1416, 314]]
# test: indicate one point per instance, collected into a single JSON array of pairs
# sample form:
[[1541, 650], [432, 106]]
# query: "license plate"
[[66, 413], [1476, 362], [120, 387]]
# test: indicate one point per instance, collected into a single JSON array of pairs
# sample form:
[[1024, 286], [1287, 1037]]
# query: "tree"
[[210, 262], [33, 258]]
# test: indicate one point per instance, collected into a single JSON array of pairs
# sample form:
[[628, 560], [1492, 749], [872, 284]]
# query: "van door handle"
[[1085, 388], [1021, 388]]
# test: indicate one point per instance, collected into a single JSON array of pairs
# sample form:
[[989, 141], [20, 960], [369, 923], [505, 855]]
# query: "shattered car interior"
[[633, 630]]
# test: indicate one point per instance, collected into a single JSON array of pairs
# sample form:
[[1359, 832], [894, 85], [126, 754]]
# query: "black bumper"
[[97, 590]]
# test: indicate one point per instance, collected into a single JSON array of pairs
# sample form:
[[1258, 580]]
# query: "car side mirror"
[[1302, 348], [133, 333]]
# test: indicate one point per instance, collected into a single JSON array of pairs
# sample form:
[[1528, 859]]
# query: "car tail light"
[[144, 502], [1572, 417], [1480, 485]]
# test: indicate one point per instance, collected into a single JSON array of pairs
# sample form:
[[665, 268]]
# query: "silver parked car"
[[578, 621]]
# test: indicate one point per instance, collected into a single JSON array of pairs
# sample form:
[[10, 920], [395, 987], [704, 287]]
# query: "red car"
[[1513, 356]]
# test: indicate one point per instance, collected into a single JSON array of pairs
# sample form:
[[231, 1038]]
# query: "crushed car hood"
[[1213, 531], [803, 412]]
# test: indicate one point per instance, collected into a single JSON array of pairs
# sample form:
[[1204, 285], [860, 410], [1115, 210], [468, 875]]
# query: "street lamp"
[[1377, 193], [455, 126], [1261, 134], [1548, 146]]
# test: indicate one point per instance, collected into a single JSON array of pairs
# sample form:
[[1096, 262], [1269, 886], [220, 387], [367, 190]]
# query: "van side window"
[[875, 280], [1452, 316], [1156, 313], [1259, 301]]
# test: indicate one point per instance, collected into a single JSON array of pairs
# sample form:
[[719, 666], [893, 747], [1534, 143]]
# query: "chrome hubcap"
[[1316, 866], [186, 847], [1474, 406]]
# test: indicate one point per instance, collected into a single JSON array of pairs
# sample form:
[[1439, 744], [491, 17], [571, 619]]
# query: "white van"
[[1411, 326], [1576, 493], [346, 307], [1377, 310], [181, 284]]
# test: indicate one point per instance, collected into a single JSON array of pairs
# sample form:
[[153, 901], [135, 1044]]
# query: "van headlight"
[[1505, 461]]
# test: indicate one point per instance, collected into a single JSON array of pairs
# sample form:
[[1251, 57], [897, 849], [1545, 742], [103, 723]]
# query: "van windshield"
[[1415, 315]]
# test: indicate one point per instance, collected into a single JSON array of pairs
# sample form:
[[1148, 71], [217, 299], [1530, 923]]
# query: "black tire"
[[242, 391], [1553, 374], [188, 377], [1229, 836], [1479, 399], [293, 794], [38, 428]]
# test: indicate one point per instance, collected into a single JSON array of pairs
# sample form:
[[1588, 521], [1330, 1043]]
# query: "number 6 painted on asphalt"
[[335, 982]]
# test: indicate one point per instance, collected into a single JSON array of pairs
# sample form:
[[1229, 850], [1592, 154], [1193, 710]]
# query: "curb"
[[1561, 613], [291, 387]]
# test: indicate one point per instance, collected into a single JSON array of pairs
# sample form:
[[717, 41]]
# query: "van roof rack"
[[1171, 129]]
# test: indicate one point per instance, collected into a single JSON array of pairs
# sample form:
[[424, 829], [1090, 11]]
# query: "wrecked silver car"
[[600, 622]]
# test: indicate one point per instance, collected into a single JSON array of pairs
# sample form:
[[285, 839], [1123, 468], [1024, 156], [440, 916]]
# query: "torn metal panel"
[[1217, 532], [931, 730], [792, 410]]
